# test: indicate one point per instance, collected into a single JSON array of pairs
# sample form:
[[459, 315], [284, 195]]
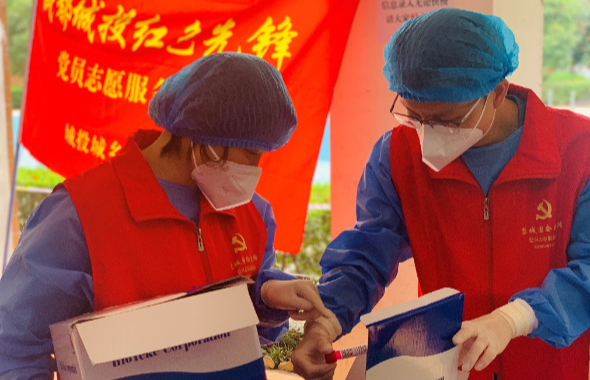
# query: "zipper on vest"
[[200, 244], [204, 257], [490, 247]]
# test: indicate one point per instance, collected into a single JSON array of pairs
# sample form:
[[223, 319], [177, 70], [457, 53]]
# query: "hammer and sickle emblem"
[[239, 243], [545, 209]]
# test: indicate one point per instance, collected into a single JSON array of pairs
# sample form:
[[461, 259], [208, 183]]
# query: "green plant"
[[281, 351], [320, 193], [315, 239], [562, 84], [27, 202], [17, 96], [37, 177], [19, 28], [27, 199], [563, 31]]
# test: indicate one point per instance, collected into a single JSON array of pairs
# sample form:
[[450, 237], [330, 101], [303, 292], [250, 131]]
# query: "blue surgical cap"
[[449, 55], [226, 99]]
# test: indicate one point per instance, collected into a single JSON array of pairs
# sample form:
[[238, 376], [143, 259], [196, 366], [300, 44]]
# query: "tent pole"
[[12, 206]]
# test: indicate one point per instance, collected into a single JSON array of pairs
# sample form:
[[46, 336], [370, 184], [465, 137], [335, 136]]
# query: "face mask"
[[227, 186], [441, 145]]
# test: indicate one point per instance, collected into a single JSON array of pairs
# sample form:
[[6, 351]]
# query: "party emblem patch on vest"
[[544, 209], [239, 243], [542, 232], [244, 263]]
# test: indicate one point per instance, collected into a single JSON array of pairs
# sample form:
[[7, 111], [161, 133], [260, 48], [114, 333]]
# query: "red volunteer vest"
[[140, 246], [492, 247]]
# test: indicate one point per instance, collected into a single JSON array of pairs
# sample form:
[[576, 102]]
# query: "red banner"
[[95, 64]]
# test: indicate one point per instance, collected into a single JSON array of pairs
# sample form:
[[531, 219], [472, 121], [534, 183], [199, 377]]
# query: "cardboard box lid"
[[376, 316], [154, 325]]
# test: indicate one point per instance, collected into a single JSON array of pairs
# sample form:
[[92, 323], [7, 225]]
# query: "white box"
[[198, 335]]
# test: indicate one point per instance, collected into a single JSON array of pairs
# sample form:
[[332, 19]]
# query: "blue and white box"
[[201, 336], [413, 340]]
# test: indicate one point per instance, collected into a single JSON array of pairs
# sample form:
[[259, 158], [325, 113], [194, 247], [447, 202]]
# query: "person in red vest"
[[488, 190], [174, 210]]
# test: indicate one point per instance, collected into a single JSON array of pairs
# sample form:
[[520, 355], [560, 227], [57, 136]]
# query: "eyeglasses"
[[448, 126]]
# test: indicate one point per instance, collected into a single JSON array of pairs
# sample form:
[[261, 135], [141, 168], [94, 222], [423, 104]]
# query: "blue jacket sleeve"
[[273, 323], [47, 280], [362, 261], [561, 303]]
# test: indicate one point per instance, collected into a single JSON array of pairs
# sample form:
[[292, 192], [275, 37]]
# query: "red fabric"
[[490, 260], [70, 124], [140, 246]]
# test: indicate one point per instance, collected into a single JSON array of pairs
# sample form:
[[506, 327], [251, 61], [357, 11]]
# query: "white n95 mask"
[[441, 145], [226, 186]]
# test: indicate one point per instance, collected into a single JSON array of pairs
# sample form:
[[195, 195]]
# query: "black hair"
[[172, 146]]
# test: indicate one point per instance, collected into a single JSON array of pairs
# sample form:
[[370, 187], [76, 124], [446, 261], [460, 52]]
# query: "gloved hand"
[[300, 297], [484, 338], [488, 334], [309, 357]]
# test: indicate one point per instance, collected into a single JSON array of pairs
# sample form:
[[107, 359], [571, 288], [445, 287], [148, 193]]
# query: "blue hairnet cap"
[[449, 55], [226, 99]]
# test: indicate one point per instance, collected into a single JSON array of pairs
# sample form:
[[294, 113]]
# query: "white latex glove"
[[309, 357], [484, 338], [300, 297]]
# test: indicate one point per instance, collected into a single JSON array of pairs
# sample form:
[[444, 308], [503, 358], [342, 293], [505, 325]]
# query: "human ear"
[[500, 93]]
